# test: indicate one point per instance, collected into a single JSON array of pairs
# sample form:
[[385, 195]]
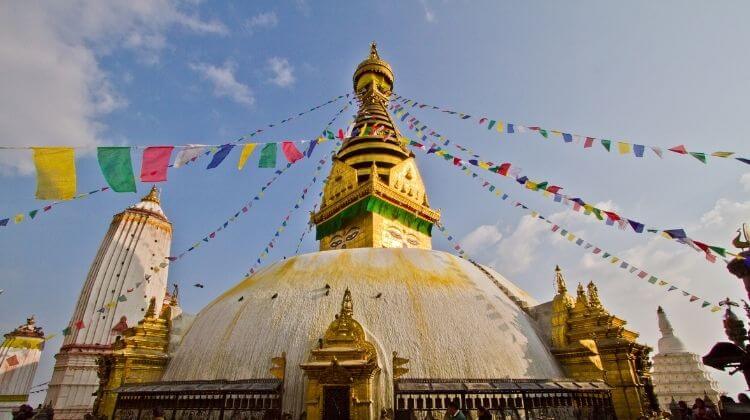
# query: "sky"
[[89, 73]]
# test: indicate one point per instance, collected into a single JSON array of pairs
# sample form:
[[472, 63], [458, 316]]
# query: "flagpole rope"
[[623, 147]]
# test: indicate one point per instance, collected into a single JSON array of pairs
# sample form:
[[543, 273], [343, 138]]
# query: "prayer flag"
[[247, 151], [220, 156], [693, 298], [638, 227], [676, 233], [705, 304], [678, 149], [117, 168], [606, 144], [56, 173], [588, 142], [722, 154], [291, 152], [638, 150], [186, 154], [623, 148], [491, 124], [268, 156], [671, 288], [700, 156], [743, 160], [652, 280], [79, 325], [510, 128], [155, 162], [33, 213], [4, 222], [642, 274], [567, 137], [310, 149], [18, 218]]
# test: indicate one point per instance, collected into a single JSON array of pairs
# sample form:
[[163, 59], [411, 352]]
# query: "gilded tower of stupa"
[[374, 196]]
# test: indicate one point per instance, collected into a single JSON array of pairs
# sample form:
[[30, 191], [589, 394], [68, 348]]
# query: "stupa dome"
[[438, 310]]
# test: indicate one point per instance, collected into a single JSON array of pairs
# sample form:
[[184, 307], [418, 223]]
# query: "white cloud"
[[224, 82], [54, 90], [265, 20], [481, 238], [745, 181], [283, 72]]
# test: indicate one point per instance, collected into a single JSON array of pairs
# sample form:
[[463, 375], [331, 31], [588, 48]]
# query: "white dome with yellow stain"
[[440, 311]]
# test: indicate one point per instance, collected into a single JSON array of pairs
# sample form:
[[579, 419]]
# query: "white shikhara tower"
[[129, 269], [679, 374], [19, 358]]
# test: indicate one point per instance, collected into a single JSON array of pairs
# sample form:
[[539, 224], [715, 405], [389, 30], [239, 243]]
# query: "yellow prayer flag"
[[722, 154], [483, 165], [614, 260], [623, 147], [55, 173], [247, 150], [571, 236], [18, 218], [715, 309], [499, 126]]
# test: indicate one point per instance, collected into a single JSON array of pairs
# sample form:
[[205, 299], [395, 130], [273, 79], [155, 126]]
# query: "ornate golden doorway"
[[336, 402]]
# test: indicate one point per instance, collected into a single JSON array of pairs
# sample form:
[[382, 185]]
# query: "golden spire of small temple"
[[594, 295], [347, 306], [582, 301], [152, 195], [560, 281]]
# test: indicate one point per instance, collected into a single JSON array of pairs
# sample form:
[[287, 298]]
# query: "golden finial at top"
[[374, 50], [347, 307], [152, 196], [560, 280]]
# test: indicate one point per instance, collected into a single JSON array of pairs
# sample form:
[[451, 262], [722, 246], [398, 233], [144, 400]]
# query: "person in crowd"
[[742, 398], [24, 412], [683, 411], [702, 411], [483, 413], [453, 413], [158, 413]]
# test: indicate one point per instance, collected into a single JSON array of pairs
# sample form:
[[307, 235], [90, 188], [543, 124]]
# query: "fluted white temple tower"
[[679, 374], [19, 358], [129, 269]]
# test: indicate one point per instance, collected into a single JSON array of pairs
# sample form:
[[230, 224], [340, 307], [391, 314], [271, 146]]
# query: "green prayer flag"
[[698, 155], [606, 144], [268, 156], [33, 213], [117, 168], [652, 280], [543, 132], [719, 250]]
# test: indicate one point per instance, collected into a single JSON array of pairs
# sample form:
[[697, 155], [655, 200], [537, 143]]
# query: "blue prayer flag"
[[638, 150], [568, 138], [220, 156]]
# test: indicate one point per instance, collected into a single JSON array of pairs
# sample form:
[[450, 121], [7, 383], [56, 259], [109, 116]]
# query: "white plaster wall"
[[436, 309]]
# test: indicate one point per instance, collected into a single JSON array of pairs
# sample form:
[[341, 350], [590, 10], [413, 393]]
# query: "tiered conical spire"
[[374, 196]]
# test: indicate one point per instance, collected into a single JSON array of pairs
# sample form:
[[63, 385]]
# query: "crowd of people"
[[26, 412]]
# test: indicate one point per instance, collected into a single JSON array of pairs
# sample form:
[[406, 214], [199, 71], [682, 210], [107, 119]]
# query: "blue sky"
[[91, 73]]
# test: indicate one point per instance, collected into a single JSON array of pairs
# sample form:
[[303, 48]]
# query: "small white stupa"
[[679, 374]]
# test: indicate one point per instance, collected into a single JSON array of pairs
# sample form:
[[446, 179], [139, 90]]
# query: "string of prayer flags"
[[117, 168], [247, 151], [20, 217], [220, 155], [291, 152], [56, 173], [155, 162], [552, 191], [247, 206], [268, 156], [624, 148], [297, 205], [578, 241]]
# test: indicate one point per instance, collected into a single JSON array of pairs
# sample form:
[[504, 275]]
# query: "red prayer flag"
[[79, 325], [291, 152], [341, 134], [456, 161], [612, 215], [679, 149], [553, 189], [504, 169], [12, 360], [588, 143], [155, 163]]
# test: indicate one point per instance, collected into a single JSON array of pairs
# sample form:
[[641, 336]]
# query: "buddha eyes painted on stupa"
[[396, 237], [340, 239]]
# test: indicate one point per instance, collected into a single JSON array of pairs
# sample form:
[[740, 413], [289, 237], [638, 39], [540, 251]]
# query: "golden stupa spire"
[[560, 281], [152, 195], [374, 196]]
